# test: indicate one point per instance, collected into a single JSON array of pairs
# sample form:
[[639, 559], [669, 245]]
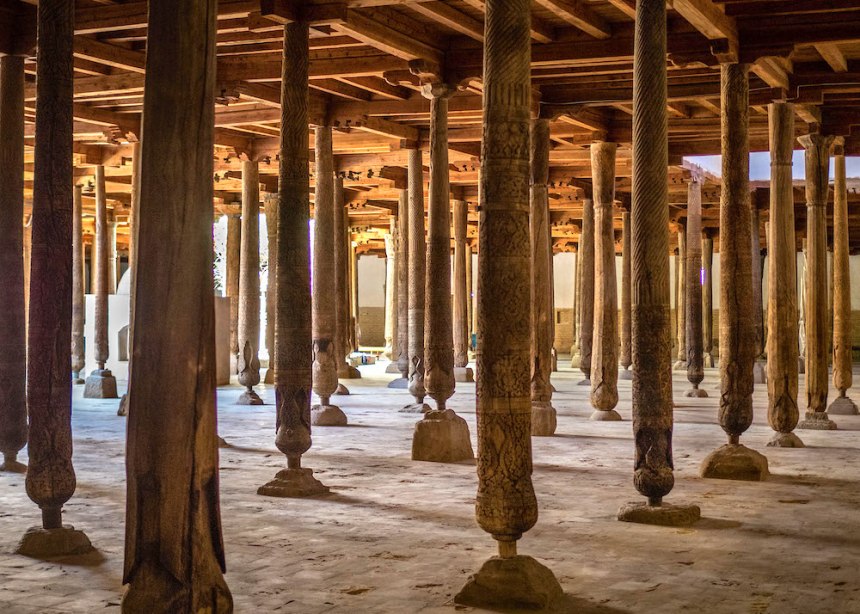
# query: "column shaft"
[[113, 273], [708, 299], [248, 328], [234, 232], [390, 290], [403, 274], [78, 299], [681, 305], [626, 358], [417, 262], [695, 360], [102, 271], [756, 271], [461, 290], [341, 251], [586, 287], [270, 208]]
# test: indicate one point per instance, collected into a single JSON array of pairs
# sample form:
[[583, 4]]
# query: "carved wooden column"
[[13, 330], [324, 307], [586, 290], [681, 305], [604, 357], [462, 255], [707, 299], [506, 506], [417, 263], [353, 298], [695, 363], [575, 350], [50, 478], [801, 325], [101, 384], [248, 335], [132, 248], [842, 340], [113, 275], [174, 555], [737, 330], [469, 302], [817, 173], [234, 233], [544, 419], [343, 297], [270, 208], [759, 365], [390, 329], [293, 339], [626, 258], [651, 320], [79, 306], [402, 291]]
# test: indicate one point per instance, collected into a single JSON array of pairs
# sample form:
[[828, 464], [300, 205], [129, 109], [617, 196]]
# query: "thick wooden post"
[[708, 298], [817, 185], [417, 264], [506, 506], [695, 363], [391, 294], [293, 339], [112, 259], [78, 300], [248, 335], [402, 291], [585, 258], [604, 357], [576, 330], [270, 208], [461, 290], [842, 340], [737, 330], [342, 256], [13, 329], [759, 367], [681, 304], [626, 269], [234, 242], [651, 322]]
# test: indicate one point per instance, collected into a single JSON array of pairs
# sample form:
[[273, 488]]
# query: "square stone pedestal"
[[101, 384]]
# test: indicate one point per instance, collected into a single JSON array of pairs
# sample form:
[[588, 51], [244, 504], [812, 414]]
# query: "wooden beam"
[[377, 32], [577, 14], [712, 22], [451, 18], [541, 31], [111, 55], [628, 7], [831, 54]]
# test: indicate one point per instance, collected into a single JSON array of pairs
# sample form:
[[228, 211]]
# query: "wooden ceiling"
[[368, 59]]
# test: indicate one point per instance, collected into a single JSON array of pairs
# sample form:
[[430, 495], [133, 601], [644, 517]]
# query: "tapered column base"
[[759, 373], [249, 397], [392, 367], [584, 382], [269, 378], [664, 515], [544, 419], [401, 383], [625, 374], [680, 365], [518, 582], [708, 361], [735, 462], [152, 589], [464, 374], [696, 393], [328, 415], [11, 464], [817, 421], [222, 443], [609, 415], [348, 372], [416, 408], [40, 543], [341, 390], [122, 410], [294, 483], [785, 440], [101, 384], [442, 437], [575, 361], [843, 406], [78, 381]]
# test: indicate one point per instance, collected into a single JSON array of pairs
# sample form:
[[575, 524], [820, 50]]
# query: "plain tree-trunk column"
[[759, 367], [323, 295], [113, 274], [707, 299], [101, 384], [270, 208], [234, 241], [626, 269], [842, 341], [174, 557], [342, 257], [695, 366], [544, 419], [575, 350], [293, 338], [604, 357], [402, 291], [248, 335], [817, 184], [585, 259], [651, 321], [460, 290], [13, 329], [506, 506], [737, 329], [391, 292], [78, 299], [417, 263], [681, 305]]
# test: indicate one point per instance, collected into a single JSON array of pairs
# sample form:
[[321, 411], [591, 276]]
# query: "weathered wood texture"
[[248, 336], [695, 360], [341, 249], [756, 272], [233, 255], [100, 315], [842, 377], [172, 454], [417, 264], [391, 291], [708, 298], [78, 300], [461, 289], [403, 274], [681, 304], [585, 256], [270, 207], [626, 257]]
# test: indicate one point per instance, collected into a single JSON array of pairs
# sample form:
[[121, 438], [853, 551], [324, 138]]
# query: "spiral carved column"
[[585, 259]]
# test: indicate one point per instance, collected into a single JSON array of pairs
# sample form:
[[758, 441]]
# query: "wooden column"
[[234, 241], [13, 329], [707, 298], [842, 340], [681, 305], [759, 367], [323, 296], [604, 358], [817, 173], [626, 269], [651, 320], [575, 350], [737, 329], [417, 263], [506, 506], [586, 290], [101, 384], [132, 264], [390, 331], [270, 208], [695, 360], [174, 556], [801, 327], [354, 324], [113, 273], [248, 328], [402, 291], [50, 478], [342, 251], [461, 289], [293, 339], [544, 419], [79, 306]]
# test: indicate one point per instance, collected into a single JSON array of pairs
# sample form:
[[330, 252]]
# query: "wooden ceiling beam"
[[380, 32], [450, 17], [541, 31], [712, 22], [831, 54], [579, 15]]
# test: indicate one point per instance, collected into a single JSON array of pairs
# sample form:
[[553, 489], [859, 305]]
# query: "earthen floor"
[[398, 536]]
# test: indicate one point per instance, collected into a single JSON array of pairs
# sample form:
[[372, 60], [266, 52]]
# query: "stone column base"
[[122, 410], [415, 408], [665, 515], [42, 543], [442, 437], [817, 421], [101, 384], [294, 483], [785, 440], [348, 372], [77, 380], [708, 361], [249, 397], [327, 415], [625, 374], [11, 464], [584, 382], [544, 419], [401, 383], [608, 415], [696, 393], [735, 462], [270, 376], [341, 390], [464, 374], [843, 406], [759, 373], [575, 361], [680, 365], [392, 367], [518, 582]]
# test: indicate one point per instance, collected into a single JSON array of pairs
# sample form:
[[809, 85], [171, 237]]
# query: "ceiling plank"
[[577, 14]]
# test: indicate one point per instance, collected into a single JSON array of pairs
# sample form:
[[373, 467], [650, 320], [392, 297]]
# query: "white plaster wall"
[[371, 281]]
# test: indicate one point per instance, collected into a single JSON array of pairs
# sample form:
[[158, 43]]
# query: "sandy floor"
[[399, 536]]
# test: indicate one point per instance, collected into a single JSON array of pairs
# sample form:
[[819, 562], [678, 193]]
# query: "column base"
[[294, 483], [708, 361], [269, 378], [328, 415], [392, 367], [759, 373], [249, 397], [78, 381], [464, 374], [442, 437], [625, 374], [341, 390], [801, 365], [575, 361], [348, 372], [101, 384], [11, 464], [518, 582], [222, 443], [401, 383], [664, 515], [696, 393], [785, 440], [584, 382], [416, 408], [544, 419], [680, 365], [122, 410], [735, 462], [608, 415], [154, 590], [39, 543], [843, 406], [817, 421]]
